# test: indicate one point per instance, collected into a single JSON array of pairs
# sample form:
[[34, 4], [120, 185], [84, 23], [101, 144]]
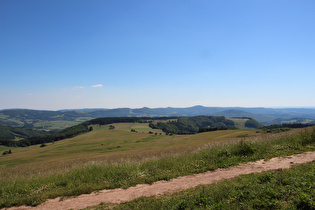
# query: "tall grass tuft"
[[243, 149]]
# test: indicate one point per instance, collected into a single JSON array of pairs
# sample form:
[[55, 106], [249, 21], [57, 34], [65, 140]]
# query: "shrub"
[[224, 153], [7, 152], [243, 149], [43, 145]]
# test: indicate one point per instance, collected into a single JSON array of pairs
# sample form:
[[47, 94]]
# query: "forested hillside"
[[13, 133], [188, 125], [252, 123]]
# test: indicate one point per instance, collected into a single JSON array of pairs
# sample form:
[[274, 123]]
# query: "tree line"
[[191, 125]]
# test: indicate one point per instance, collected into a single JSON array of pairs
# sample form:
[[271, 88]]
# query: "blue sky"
[[61, 54]]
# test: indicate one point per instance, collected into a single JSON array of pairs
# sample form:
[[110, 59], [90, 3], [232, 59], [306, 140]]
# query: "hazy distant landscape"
[[56, 120]]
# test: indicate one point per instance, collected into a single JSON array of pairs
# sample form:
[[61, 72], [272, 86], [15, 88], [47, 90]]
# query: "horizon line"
[[249, 107]]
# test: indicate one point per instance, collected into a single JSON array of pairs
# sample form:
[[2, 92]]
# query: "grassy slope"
[[79, 165], [239, 122], [103, 142]]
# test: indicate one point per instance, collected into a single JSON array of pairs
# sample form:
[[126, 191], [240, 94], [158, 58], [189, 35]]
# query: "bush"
[[7, 152], [224, 153], [243, 149], [43, 145]]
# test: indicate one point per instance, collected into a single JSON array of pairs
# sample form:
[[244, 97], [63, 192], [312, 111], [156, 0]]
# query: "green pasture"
[[104, 142], [239, 122], [55, 125], [139, 127]]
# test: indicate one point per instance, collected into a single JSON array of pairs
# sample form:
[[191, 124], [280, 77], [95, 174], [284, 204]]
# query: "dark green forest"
[[191, 125], [11, 133], [251, 123], [277, 128]]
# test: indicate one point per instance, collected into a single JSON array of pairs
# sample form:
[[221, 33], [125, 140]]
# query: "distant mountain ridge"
[[65, 118]]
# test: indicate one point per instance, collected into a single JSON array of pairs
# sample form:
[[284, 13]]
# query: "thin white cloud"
[[99, 85], [78, 87], [30, 94]]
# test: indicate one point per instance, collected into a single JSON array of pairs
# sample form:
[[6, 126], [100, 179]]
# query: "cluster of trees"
[[251, 123], [208, 129], [276, 128], [7, 152], [289, 125], [111, 127], [190, 125]]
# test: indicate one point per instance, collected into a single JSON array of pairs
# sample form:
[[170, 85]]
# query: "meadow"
[[105, 142], [107, 159]]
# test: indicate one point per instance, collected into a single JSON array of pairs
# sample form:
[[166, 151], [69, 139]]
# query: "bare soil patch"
[[180, 183]]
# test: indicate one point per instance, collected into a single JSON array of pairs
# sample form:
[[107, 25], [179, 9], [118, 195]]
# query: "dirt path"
[[180, 183]]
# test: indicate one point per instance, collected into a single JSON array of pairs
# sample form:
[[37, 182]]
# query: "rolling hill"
[[170, 125], [58, 120]]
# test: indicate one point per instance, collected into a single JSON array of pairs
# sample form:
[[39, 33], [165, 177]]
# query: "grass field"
[[104, 142], [55, 125], [106, 159], [239, 122]]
